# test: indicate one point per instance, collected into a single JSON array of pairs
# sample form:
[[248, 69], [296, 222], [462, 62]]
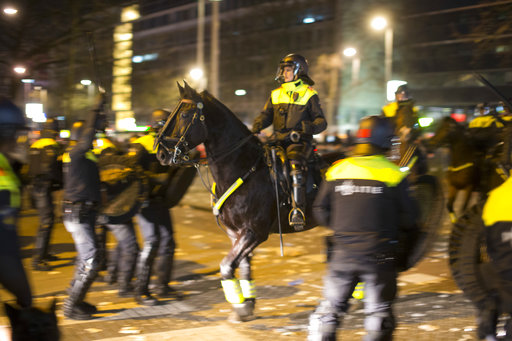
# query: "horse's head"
[[443, 132], [184, 129]]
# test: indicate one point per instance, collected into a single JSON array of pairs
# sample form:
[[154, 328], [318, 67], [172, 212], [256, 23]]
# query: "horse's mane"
[[207, 96]]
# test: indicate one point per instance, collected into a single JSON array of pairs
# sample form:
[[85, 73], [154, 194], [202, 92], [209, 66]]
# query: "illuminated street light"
[[196, 73], [240, 92], [349, 52], [20, 69], [380, 23], [86, 82], [10, 10]]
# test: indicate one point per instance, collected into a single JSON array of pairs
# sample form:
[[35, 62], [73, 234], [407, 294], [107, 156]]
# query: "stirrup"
[[297, 219]]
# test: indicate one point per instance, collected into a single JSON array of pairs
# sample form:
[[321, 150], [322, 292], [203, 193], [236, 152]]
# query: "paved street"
[[429, 307]]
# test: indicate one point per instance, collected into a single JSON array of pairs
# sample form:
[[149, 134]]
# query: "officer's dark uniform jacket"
[[485, 131], [365, 201], [81, 174], [497, 217], [293, 106], [142, 149]]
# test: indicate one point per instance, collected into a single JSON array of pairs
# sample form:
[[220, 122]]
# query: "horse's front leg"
[[452, 193], [240, 293]]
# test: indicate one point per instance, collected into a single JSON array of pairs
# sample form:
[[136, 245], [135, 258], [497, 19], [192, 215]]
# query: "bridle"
[[180, 151]]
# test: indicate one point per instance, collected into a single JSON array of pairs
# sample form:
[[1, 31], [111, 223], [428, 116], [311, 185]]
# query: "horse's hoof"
[[234, 317], [242, 312]]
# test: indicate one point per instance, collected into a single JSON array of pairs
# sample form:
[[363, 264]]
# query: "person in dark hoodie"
[[80, 205]]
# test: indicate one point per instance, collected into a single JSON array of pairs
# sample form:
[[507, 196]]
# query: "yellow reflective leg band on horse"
[[359, 291], [232, 291], [248, 288]]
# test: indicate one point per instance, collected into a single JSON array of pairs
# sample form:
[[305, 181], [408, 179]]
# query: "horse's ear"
[[180, 88], [187, 87]]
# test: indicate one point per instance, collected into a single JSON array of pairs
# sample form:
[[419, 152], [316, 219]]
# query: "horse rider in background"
[[404, 116], [45, 172], [295, 112]]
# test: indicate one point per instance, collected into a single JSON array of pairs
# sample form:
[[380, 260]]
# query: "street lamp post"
[[351, 53], [356, 63], [380, 23]]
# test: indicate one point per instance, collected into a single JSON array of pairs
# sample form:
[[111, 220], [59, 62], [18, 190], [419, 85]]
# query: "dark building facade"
[[437, 46]]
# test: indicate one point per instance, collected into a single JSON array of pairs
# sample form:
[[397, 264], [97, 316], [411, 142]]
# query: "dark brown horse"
[[236, 158], [469, 171]]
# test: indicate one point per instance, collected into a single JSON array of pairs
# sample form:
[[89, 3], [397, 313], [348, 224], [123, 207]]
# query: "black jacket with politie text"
[[365, 200]]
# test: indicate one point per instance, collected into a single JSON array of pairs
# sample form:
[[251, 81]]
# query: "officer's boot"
[[144, 265], [164, 271], [39, 260], [74, 306], [297, 217], [323, 323], [126, 272]]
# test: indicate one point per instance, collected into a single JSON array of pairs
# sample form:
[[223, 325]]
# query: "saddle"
[[279, 167]]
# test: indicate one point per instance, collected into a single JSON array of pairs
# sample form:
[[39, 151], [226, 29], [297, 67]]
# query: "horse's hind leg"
[[241, 294]]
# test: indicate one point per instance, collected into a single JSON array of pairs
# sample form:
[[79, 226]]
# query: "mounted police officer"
[[295, 112], [365, 200], [80, 205], [45, 171], [485, 130], [12, 274], [497, 217], [404, 116], [154, 220]]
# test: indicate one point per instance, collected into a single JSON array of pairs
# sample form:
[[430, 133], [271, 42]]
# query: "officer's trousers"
[[42, 194], [128, 249], [156, 227], [379, 292]]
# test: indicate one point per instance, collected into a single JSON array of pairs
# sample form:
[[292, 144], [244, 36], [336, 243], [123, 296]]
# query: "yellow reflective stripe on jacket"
[[147, 141], [89, 155], [41, 143], [390, 109], [9, 182], [374, 167], [484, 122], [498, 206], [284, 94]]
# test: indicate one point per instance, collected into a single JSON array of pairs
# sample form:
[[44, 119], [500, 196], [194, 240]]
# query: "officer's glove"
[[280, 136]]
